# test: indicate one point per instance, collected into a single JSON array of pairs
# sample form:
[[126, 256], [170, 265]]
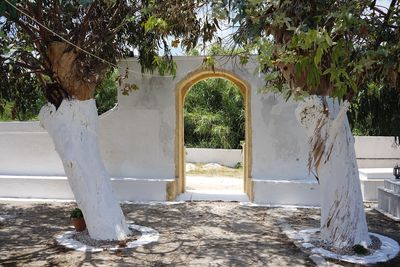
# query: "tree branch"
[[85, 24], [39, 18], [28, 66], [29, 30], [390, 12], [55, 14]]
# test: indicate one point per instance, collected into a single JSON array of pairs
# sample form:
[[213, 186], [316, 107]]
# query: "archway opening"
[[243, 166], [214, 135]]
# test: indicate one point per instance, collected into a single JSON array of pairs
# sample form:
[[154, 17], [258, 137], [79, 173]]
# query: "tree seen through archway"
[[214, 115]]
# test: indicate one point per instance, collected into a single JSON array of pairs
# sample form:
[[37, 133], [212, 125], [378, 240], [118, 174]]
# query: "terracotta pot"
[[79, 224]]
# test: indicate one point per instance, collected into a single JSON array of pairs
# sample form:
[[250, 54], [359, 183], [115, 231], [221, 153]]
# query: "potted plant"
[[77, 220]]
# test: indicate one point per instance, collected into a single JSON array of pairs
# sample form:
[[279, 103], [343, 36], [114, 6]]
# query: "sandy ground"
[[214, 178], [219, 183], [191, 234]]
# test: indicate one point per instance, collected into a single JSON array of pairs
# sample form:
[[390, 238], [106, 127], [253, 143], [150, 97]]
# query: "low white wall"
[[376, 152], [287, 192], [226, 157], [57, 187], [371, 152], [26, 149]]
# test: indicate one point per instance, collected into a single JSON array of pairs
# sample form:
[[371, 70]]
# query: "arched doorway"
[[182, 89]]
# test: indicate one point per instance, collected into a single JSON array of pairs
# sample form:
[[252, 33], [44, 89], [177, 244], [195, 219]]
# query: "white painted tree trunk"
[[73, 128], [332, 156]]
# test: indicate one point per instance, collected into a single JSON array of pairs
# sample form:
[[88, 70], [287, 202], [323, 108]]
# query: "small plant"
[[360, 249], [238, 165], [76, 214], [77, 220]]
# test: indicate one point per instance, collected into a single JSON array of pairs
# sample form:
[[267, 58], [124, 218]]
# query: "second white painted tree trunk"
[[73, 128], [343, 222]]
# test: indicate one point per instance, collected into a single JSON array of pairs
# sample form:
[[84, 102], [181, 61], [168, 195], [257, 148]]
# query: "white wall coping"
[[298, 181], [39, 177], [226, 157], [375, 173]]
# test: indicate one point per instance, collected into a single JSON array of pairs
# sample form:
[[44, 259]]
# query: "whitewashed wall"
[[371, 152], [137, 138], [26, 149], [280, 146], [226, 157], [377, 152], [150, 115]]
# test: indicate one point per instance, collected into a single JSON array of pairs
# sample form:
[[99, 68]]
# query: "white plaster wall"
[[137, 138], [131, 144], [287, 192], [376, 152], [26, 149], [280, 146], [226, 157], [146, 118], [372, 152]]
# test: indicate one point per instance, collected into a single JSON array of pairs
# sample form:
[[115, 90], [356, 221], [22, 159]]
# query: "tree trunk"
[[332, 156], [73, 128]]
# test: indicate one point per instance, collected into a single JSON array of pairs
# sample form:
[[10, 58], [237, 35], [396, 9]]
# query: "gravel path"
[[191, 234]]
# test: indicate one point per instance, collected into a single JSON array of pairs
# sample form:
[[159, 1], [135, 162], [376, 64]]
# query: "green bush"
[[214, 115], [375, 111], [23, 98], [107, 92]]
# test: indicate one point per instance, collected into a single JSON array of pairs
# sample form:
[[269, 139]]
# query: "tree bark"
[[73, 128], [332, 156]]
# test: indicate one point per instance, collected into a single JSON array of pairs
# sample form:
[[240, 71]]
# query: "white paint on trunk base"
[[388, 250], [73, 128], [343, 222], [306, 238], [148, 236]]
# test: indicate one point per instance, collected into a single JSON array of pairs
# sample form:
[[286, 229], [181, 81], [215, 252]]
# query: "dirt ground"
[[191, 234]]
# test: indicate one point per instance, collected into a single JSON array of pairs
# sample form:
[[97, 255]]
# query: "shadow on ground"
[[191, 234]]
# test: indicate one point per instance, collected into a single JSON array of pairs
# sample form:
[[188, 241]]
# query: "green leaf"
[[154, 22], [318, 55]]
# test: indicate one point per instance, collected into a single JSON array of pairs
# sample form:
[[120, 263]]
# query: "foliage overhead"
[[214, 115], [20, 98], [319, 47], [70, 45]]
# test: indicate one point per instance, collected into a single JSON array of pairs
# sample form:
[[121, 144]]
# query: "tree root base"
[[383, 248], [147, 235]]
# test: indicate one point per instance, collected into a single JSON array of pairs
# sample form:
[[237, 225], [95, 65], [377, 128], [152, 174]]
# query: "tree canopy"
[[70, 45], [319, 47], [338, 48]]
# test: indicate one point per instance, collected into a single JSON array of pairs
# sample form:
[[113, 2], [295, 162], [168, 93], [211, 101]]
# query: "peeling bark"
[[73, 128], [332, 155]]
